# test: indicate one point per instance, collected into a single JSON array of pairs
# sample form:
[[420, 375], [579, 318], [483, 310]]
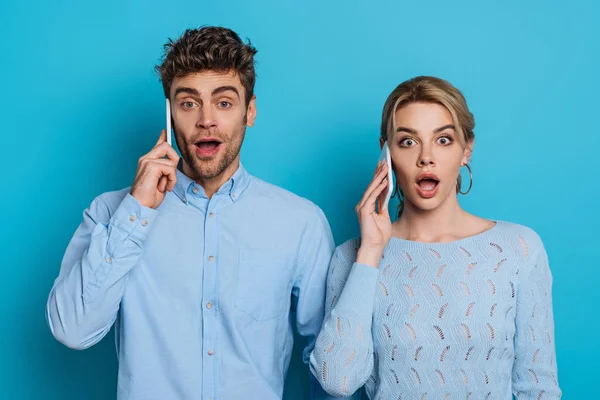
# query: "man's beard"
[[214, 167]]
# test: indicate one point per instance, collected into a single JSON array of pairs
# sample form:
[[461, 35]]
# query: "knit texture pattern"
[[470, 319]]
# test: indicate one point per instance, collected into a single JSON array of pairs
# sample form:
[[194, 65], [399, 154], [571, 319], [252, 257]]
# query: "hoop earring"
[[470, 181]]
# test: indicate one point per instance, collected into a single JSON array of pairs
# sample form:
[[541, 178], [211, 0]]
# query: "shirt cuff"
[[133, 219]]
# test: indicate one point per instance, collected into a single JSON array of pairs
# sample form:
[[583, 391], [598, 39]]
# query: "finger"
[[373, 185], [382, 196], [153, 162], [369, 188], [148, 167], [171, 153], [379, 166], [156, 169], [166, 177], [171, 181], [162, 150], [369, 205], [162, 138], [162, 184]]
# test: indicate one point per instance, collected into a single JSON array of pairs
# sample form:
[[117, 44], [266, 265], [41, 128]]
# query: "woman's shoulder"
[[348, 250], [343, 258], [524, 240], [520, 232]]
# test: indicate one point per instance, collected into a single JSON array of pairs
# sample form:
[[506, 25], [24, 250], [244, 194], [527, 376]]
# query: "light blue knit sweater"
[[470, 319]]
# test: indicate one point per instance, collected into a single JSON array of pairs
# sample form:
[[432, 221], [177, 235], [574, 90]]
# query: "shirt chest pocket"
[[264, 283]]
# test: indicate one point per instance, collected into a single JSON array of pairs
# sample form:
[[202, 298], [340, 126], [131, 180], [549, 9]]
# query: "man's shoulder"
[[113, 197], [107, 202], [282, 198]]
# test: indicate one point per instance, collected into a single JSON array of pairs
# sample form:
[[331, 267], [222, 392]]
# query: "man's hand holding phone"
[[156, 174]]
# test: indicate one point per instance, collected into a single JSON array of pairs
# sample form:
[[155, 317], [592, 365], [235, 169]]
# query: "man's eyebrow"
[[188, 90], [222, 89], [216, 91]]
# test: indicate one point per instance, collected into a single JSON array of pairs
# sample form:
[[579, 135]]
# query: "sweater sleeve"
[[342, 359], [535, 368]]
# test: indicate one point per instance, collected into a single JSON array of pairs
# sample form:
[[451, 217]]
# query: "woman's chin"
[[423, 204]]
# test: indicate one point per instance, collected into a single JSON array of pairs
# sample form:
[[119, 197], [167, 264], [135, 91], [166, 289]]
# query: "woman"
[[441, 304]]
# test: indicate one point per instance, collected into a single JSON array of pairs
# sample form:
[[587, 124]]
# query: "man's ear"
[[251, 112]]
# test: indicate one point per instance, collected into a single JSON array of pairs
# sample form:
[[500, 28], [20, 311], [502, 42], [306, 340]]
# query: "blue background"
[[80, 103]]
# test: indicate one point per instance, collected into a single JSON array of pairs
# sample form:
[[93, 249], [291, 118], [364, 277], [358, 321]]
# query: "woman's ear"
[[468, 151]]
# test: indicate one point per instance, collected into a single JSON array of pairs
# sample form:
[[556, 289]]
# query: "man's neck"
[[212, 185]]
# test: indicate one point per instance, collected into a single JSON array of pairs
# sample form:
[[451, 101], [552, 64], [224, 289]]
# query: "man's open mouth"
[[208, 147]]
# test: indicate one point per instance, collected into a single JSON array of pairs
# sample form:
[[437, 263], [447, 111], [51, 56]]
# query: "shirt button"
[[233, 195], [144, 223], [210, 352], [132, 217], [209, 305], [211, 258], [184, 201], [108, 260], [211, 215], [195, 190]]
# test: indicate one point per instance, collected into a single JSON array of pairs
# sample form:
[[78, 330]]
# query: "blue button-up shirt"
[[204, 293]]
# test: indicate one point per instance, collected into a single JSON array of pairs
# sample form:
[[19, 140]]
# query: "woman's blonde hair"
[[429, 89]]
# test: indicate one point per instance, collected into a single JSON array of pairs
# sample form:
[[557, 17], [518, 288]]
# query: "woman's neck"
[[445, 223]]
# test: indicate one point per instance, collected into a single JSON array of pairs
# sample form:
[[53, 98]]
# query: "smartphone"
[[386, 156], [169, 122]]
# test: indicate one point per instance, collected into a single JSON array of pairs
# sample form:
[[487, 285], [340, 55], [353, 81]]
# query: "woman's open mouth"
[[427, 185]]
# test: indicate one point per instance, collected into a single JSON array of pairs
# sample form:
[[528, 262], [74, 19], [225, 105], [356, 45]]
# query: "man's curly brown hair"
[[208, 48]]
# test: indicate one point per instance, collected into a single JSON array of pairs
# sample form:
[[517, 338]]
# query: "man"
[[198, 263]]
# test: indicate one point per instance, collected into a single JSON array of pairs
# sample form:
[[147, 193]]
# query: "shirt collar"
[[234, 187]]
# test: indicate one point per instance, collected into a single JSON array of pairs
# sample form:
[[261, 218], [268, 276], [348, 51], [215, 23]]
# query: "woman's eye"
[[444, 140], [407, 143]]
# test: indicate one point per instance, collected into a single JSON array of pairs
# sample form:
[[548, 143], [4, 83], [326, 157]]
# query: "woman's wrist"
[[369, 256]]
